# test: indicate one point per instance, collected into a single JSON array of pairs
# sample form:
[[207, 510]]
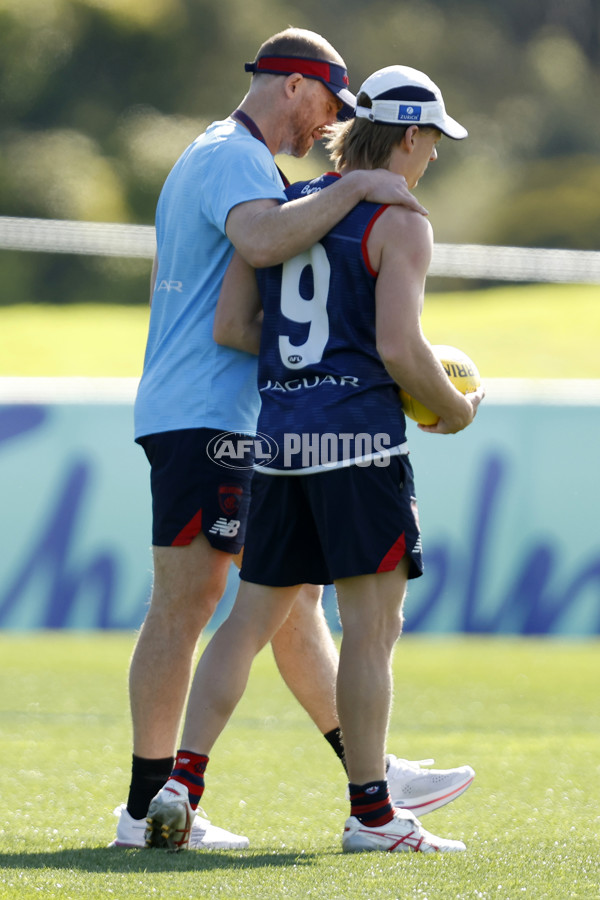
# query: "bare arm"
[[238, 316], [267, 233], [404, 251]]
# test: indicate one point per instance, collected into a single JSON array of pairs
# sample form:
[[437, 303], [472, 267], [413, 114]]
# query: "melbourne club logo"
[[230, 497], [237, 451]]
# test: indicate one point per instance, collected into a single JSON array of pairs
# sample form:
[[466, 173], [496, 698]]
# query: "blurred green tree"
[[99, 97]]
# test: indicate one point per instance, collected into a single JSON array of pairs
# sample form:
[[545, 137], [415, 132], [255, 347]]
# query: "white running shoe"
[[423, 790], [403, 833], [203, 836]]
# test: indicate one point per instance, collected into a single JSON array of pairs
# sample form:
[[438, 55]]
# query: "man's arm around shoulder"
[[267, 233]]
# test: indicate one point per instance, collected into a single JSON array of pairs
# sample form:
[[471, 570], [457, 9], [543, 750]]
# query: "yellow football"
[[462, 372]]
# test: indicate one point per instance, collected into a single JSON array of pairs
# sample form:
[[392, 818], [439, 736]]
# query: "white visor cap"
[[404, 96]]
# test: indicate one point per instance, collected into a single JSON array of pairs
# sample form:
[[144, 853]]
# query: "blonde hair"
[[362, 144]]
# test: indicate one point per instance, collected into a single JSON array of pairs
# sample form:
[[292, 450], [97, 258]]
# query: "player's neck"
[[346, 169]]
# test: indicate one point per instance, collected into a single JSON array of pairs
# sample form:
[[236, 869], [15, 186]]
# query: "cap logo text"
[[409, 113]]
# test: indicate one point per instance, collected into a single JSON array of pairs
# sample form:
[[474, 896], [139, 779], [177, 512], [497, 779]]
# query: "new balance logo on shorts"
[[226, 527]]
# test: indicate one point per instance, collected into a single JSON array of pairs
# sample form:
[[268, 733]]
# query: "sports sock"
[[189, 770], [334, 737], [371, 803], [148, 776]]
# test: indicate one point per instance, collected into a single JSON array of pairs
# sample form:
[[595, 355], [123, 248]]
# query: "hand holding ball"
[[462, 372]]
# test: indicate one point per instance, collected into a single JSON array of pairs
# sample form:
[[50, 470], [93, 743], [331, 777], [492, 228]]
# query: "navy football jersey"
[[326, 397]]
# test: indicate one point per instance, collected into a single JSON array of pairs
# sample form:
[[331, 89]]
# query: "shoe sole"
[[168, 828], [124, 845], [435, 802]]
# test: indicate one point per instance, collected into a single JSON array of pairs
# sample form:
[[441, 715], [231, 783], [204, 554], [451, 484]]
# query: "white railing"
[[449, 260], [499, 391]]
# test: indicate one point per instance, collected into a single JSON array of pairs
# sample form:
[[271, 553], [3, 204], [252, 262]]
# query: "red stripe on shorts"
[[189, 531], [394, 555]]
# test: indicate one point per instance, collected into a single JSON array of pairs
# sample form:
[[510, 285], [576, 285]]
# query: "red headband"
[[330, 73]]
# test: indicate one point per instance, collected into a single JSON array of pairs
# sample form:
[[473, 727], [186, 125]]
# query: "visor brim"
[[348, 99]]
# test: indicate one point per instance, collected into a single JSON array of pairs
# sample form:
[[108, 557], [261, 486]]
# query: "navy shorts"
[[192, 493], [339, 524]]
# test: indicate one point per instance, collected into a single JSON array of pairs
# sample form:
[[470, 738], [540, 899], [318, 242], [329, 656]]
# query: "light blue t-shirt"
[[188, 380]]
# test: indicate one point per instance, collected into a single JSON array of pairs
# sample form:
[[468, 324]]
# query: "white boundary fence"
[[121, 391], [449, 260]]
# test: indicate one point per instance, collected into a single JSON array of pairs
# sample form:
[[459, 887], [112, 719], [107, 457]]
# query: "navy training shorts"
[[339, 524], [192, 493]]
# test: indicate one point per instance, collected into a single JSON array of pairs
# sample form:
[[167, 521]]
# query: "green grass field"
[[524, 713], [530, 331]]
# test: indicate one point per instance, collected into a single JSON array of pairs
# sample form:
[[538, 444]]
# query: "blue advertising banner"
[[508, 512]]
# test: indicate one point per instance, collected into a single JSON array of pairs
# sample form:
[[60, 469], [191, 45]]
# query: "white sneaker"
[[403, 833], [130, 831], [203, 835], [423, 790]]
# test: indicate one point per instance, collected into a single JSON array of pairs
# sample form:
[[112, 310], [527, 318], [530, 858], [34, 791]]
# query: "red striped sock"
[[371, 803], [189, 770]]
